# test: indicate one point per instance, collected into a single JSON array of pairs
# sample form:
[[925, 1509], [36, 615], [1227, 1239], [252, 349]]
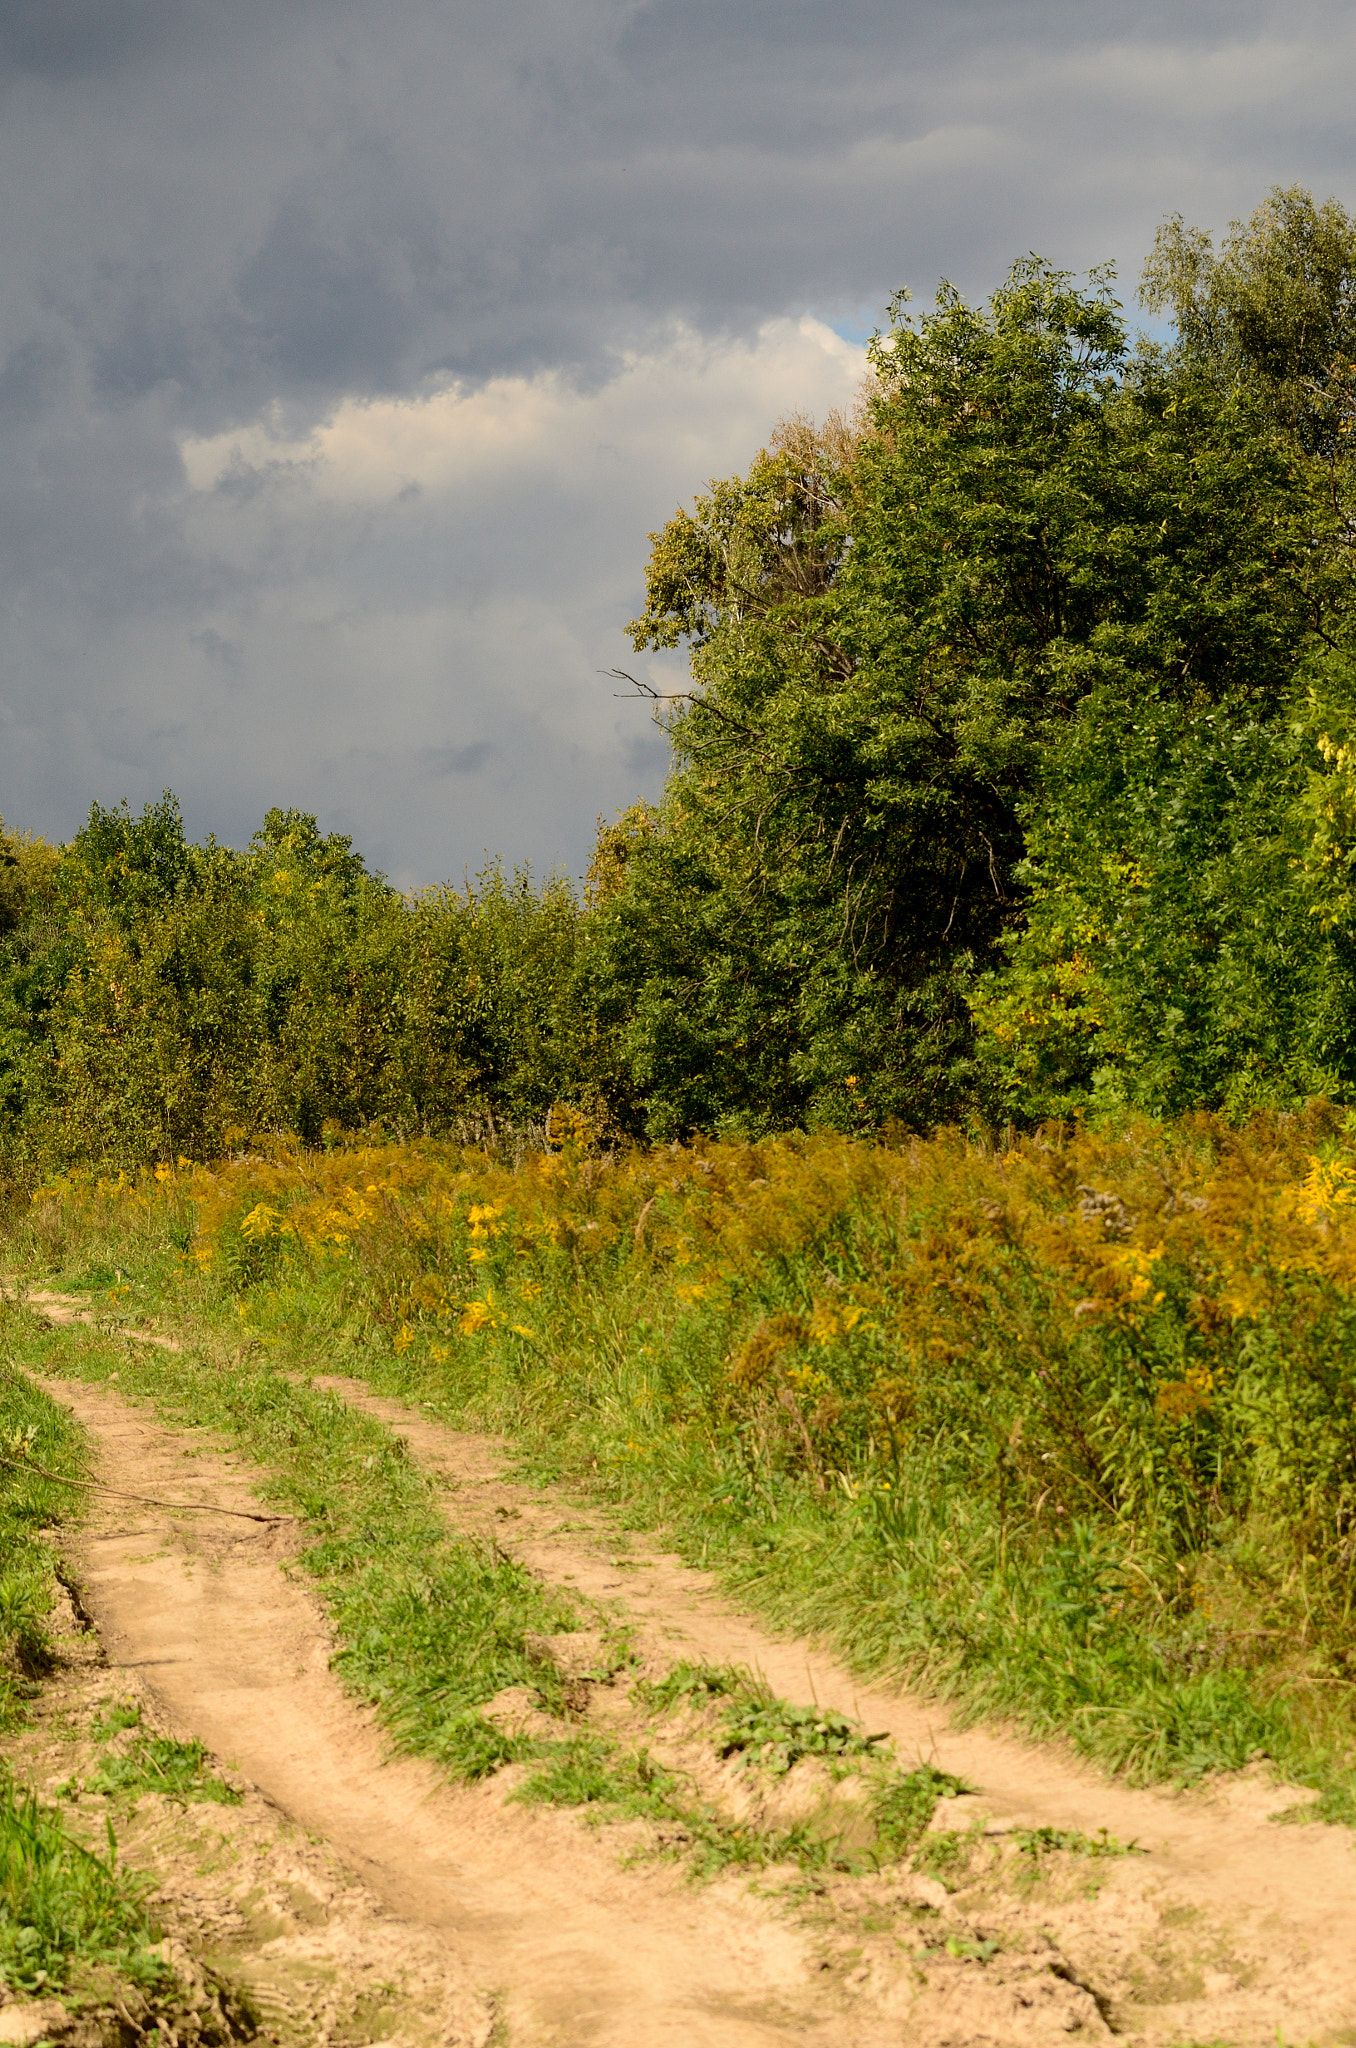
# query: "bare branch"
[[648, 694]]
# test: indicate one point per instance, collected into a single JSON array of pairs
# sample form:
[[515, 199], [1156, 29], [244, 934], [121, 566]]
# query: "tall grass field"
[[1061, 1430]]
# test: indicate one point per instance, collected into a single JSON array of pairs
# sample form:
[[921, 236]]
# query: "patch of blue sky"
[[854, 321]]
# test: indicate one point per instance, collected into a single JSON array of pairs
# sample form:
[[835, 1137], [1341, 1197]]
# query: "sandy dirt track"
[[1229, 1930], [235, 1652]]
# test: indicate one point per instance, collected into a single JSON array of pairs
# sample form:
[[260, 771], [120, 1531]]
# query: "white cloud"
[[690, 398]]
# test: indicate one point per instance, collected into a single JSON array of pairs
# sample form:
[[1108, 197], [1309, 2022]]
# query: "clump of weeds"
[[755, 1726], [64, 1906], [729, 1717], [136, 1761]]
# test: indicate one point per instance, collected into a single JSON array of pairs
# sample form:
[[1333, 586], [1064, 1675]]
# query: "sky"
[[350, 349]]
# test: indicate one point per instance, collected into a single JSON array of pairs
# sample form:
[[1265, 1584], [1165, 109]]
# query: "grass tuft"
[[60, 1903], [150, 1763]]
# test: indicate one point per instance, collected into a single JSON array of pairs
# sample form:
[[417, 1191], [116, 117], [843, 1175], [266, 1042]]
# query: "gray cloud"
[[459, 760], [237, 216]]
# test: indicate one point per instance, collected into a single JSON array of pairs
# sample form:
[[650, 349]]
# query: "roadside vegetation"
[[1060, 1429], [72, 1919], [34, 1431], [66, 1910]]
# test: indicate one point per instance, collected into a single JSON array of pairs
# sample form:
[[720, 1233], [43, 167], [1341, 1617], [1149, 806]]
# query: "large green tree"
[[1189, 935], [1031, 531]]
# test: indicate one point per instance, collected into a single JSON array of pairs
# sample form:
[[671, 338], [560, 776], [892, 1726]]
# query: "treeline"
[[161, 999], [1018, 775]]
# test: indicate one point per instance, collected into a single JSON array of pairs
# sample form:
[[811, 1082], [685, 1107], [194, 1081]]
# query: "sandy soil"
[[1229, 1929], [266, 1927]]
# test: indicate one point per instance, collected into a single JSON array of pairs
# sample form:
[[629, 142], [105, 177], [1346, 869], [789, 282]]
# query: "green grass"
[[63, 1907], [620, 1781], [906, 1803], [33, 1429], [920, 1584], [137, 1761], [430, 1628], [617, 1782]]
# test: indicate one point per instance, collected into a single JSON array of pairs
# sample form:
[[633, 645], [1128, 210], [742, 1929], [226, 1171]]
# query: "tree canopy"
[[1001, 732]]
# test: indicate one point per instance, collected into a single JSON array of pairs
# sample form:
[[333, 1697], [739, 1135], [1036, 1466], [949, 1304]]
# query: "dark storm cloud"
[[72, 38], [295, 200], [223, 211]]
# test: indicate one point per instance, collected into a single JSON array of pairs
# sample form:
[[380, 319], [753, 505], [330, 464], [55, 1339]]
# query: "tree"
[[893, 628], [1275, 307], [1188, 934]]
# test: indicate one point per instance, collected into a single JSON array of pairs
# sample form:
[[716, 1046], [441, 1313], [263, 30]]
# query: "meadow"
[[1062, 1429]]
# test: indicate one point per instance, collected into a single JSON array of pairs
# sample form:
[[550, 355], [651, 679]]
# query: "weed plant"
[[137, 1761], [34, 1430], [63, 1906], [1063, 1429], [756, 1726], [617, 1781]]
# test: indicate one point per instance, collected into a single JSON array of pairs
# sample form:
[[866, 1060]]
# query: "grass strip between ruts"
[[430, 1626]]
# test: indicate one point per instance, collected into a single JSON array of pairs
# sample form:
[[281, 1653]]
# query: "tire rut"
[[1270, 1908], [233, 1650]]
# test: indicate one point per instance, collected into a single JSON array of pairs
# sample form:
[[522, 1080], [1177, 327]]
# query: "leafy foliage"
[[34, 1431], [1186, 937], [773, 1735], [60, 1905], [953, 667], [161, 999]]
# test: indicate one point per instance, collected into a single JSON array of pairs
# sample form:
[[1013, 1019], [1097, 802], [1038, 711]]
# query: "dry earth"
[[267, 1928], [361, 1898]]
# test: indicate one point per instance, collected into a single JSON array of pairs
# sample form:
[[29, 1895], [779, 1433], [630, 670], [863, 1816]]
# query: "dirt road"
[[1228, 1929]]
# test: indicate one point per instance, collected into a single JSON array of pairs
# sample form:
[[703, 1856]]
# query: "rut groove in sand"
[[1286, 1893], [581, 1952], [235, 1652]]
